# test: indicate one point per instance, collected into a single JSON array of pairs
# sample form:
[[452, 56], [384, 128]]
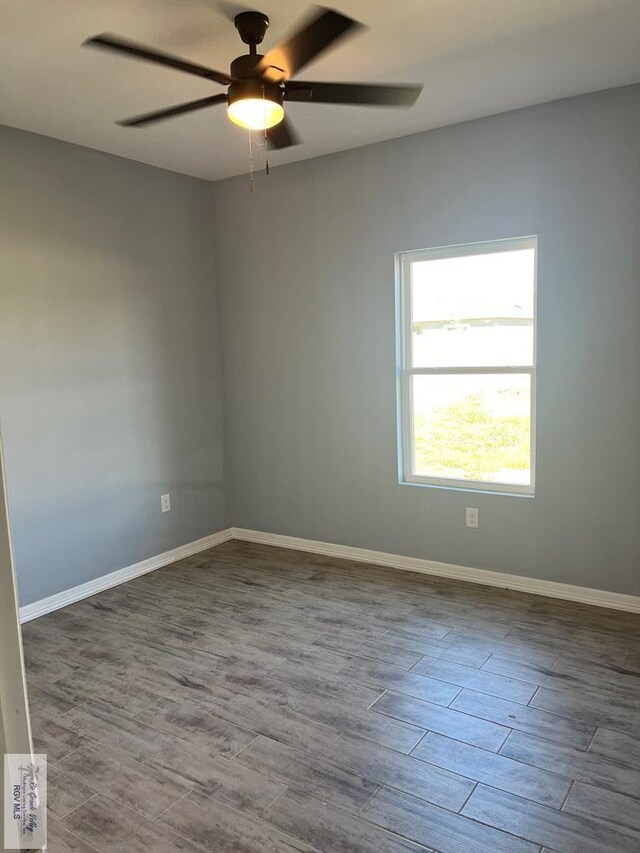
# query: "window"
[[467, 365]]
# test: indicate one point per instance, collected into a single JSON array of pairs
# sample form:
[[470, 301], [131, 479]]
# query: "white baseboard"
[[584, 595], [85, 590], [553, 589]]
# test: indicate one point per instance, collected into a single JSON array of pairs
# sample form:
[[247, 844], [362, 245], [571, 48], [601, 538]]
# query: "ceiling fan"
[[259, 86]]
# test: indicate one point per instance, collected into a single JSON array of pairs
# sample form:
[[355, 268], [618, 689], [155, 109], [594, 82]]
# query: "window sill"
[[470, 490]]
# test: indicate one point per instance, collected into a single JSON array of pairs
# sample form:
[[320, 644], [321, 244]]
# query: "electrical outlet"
[[471, 514], [165, 503]]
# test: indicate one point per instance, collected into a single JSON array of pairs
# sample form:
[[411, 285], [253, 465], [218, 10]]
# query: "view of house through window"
[[467, 377]]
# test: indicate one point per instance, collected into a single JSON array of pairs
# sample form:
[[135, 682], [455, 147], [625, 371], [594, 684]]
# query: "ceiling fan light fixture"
[[255, 113], [254, 104]]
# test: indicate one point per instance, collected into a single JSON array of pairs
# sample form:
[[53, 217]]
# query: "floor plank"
[[114, 730], [112, 828], [308, 774], [378, 650], [593, 712], [434, 784], [208, 772], [515, 777], [387, 677], [249, 711], [570, 762], [331, 830], [338, 685], [189, 722], [621, 811], [476, 679], [464, 727], [545, 826], [443, 830], [344, 717], [463, 651], [525, 718], [65, 792], [219, 829], [60, 840], [124, 779], [50, 736], [617, 747]]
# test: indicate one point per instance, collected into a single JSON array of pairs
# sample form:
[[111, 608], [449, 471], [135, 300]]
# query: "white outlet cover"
[[472, 516], [165, 503]]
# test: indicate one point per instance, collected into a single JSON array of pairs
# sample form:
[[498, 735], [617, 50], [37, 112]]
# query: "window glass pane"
[[473, 310], [473, 427]]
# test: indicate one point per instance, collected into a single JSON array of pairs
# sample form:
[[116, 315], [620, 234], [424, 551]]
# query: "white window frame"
[[405, 371]]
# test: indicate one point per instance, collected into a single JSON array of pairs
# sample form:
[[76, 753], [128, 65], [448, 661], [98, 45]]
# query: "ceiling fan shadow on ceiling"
[[259, 86]]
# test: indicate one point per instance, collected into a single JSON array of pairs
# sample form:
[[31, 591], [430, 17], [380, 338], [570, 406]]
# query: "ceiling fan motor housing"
[[248, 83], [245, 66]]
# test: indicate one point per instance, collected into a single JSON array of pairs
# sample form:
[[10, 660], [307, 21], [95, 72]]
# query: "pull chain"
[[266, 146], [250, 164]]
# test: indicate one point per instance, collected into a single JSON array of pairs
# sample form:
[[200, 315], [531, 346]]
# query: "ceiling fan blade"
[[139, 51], [325, 27], [161, 115], [283, 135], [363, 94]]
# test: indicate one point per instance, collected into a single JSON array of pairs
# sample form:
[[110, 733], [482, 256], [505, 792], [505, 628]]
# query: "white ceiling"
[[476, 58]]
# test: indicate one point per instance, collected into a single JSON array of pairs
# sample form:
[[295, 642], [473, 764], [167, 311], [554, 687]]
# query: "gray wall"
[[110, 362], [111, 390], [305, 268]]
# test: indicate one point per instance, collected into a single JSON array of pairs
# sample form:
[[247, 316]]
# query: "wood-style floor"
[[257, 700]]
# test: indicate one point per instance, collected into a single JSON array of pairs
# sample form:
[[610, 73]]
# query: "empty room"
[[319, 405]]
